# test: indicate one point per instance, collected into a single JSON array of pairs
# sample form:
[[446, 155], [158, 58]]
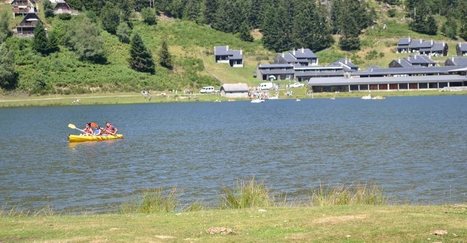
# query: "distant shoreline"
[[23, 100]]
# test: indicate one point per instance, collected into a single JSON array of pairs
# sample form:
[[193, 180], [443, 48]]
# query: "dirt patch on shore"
[[340, 219]]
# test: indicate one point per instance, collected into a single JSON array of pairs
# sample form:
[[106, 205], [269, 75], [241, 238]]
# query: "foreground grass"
[[330, 224]]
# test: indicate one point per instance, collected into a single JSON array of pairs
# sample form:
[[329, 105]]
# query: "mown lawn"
[[304, 224]]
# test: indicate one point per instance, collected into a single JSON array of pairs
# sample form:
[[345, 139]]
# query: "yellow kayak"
[[84, 138]]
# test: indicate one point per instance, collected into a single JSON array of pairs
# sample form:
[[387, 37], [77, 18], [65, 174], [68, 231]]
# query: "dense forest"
[[282, 24]]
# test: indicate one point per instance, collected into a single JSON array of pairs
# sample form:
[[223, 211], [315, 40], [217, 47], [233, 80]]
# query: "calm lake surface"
[[415, 148]]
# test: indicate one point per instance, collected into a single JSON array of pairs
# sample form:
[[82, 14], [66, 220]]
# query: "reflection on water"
[[415, 148]]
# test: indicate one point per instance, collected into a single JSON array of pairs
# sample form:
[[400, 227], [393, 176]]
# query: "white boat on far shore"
[[257, 101], [369, 97]]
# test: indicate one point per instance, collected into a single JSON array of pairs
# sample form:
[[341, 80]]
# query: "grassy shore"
[[161, 97], [321, 224]]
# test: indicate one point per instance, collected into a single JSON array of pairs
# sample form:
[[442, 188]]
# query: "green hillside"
[[191, 46]]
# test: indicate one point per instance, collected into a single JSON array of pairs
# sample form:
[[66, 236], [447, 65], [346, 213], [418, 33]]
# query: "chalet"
[[413, 61], [289, 71], [456, 61], [61, 7], [413, 77], [461, 49], [222, 54], [300, 57], [275, 71], [346, 64], [27, 25], [239, 90], [22, 7], [419, 46], [403, 45]]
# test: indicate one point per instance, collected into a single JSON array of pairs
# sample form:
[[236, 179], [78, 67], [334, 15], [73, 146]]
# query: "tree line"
[[285, 24], [422, 13]]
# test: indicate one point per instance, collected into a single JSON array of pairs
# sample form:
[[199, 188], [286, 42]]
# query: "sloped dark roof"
[[235, 55], [406, 71], [462, 47], [419, 43], [276, 65], [304, 53], [404, 42], [345, 63], [420, 59], [438, 46], [29, 17], [457, 61], [288, 57], [221, 50], [385, 80]]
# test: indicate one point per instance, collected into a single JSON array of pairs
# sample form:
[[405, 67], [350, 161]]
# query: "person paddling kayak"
[[88, 129], [110, 129]]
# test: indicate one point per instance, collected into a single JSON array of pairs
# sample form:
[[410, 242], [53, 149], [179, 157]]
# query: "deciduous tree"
[[8, 74]]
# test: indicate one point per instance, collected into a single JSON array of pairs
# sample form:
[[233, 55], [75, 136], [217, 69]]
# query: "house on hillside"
[[413, 61], [299, 57], [22, 7], [403, 45], [239, 90], [61, 7], [419, 46], [222, 54], [461, 49], [275, 71], [27, 25], [346, 64], [456, 61]]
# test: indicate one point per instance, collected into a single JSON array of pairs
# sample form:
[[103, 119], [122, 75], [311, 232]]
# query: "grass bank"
[[323, 224], [22, 100]]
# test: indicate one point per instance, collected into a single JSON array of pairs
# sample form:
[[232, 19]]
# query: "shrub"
[[348, 195], [246, 194], [123, 32], [149, 16], [153, 201], [65, 16], [392, 13]]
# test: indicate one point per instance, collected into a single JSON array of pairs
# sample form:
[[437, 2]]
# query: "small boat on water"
[[367, 97], [257, 101], [84, 138], [379, 97]]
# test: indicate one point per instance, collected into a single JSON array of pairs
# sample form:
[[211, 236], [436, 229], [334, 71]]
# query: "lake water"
[[415, 148]]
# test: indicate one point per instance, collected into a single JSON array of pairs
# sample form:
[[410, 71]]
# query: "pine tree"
[[431, 27], [245, 34], [110, 18], [209, 10], [449, 28], [140, 57], [277, 29], [40, 42], [8, 74], [191, 10], [53, 42], [310, 29], [165, 57]]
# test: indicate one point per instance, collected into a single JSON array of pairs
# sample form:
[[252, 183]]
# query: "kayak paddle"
[[72, 126]]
